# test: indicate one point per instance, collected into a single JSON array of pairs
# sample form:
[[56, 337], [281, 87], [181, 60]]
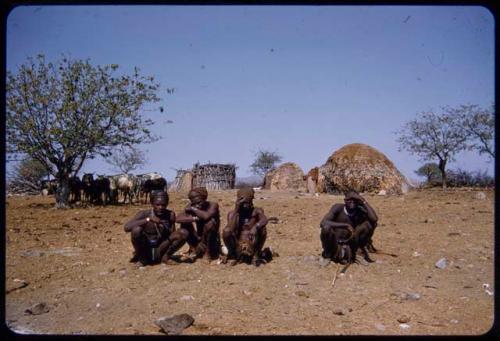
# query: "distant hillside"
[[253, 181]]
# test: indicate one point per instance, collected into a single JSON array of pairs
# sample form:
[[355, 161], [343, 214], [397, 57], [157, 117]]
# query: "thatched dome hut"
[[362, 168], [288, 176], [315, 181], [183, 181], [214, 176]]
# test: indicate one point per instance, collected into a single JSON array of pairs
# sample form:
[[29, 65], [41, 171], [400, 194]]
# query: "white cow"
[[126, 184]]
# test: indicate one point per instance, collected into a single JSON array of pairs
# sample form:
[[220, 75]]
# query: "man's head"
[[159, 201], [351, 199], [245, 196], [198, 196]]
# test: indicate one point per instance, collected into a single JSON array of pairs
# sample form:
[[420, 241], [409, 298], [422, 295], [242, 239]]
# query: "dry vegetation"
[[76, 262]]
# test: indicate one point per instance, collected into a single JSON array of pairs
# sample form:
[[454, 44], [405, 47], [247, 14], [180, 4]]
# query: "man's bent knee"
[[136, 232]]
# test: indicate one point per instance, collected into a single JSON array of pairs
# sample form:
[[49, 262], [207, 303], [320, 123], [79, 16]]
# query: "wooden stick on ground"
[[335, 275]]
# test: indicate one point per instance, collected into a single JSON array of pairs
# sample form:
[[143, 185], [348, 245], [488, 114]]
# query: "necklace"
[[348, 214]]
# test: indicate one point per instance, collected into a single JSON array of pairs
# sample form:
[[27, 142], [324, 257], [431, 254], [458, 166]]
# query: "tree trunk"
[[62, 193], [442, 168]]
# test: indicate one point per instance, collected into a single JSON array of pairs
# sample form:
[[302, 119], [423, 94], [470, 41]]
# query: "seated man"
[[352, 224], [245, 233], [153, 232], [205, 239]]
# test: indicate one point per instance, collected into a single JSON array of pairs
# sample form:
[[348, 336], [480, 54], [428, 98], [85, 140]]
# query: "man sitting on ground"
[[245, 217], [356, 216], [153, 233], [204, 240]]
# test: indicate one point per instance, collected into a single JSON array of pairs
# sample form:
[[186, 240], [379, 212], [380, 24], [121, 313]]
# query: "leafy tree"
[[479, 125], [431, 171], [127, 159], [433, 136], [63, 113], [27, 176], [265, 161]]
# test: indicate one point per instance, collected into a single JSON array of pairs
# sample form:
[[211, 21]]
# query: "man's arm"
[[232, 220], [138, 220], [329, 220], [183, 218], [211, 212], [261, 219], [370, 212]]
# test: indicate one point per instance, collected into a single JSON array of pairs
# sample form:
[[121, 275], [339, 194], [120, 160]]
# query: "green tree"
[[63, 113], [431, 171], [127, 159], [433, 136], [265, 161]]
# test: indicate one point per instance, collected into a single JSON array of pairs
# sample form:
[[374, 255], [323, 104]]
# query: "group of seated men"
[[344, 229]]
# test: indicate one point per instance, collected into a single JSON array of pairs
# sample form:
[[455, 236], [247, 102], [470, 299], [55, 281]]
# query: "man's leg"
[[328, 242], [171, 245], [362, 235], [210, 241], [192, 236], [260, 237], [231, 242], [140, 246]]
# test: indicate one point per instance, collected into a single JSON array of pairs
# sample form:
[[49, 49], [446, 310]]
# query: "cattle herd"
[[111, 189]]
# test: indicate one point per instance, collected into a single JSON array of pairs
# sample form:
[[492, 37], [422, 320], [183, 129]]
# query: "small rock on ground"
[[441, 264], [37, 309], [175, 324], [404, 319]]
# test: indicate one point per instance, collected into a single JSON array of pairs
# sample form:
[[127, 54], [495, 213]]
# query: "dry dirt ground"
[[75, 261]]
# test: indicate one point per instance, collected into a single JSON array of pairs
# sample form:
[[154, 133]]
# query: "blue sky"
[[302, 81]]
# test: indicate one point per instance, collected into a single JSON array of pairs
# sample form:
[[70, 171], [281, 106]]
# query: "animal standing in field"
[[49, 187], [125, 184], [158, 184], [75, 188], [96, 191], [140, 188]]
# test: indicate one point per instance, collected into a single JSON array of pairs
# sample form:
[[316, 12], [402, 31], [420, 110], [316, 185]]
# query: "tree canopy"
[[479, 125], [434, 136], [66, 112], [265, 161], [431, 171], [127, 159], [27, 176]]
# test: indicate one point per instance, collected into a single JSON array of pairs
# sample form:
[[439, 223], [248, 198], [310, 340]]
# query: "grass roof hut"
[[183, 181], [288, 176], [362, 168], [214, 176]]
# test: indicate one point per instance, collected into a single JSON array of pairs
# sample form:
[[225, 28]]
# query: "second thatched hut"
[[362, 168], [287, 176]]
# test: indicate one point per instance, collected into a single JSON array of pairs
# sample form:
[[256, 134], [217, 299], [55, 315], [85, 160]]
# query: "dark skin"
[[355, 215], [157, 223], [244, 217], [205, 215]]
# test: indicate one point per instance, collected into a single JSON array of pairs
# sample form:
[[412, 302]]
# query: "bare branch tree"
[[126, 159], [478, 124], [26, 177], [433, 136]]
